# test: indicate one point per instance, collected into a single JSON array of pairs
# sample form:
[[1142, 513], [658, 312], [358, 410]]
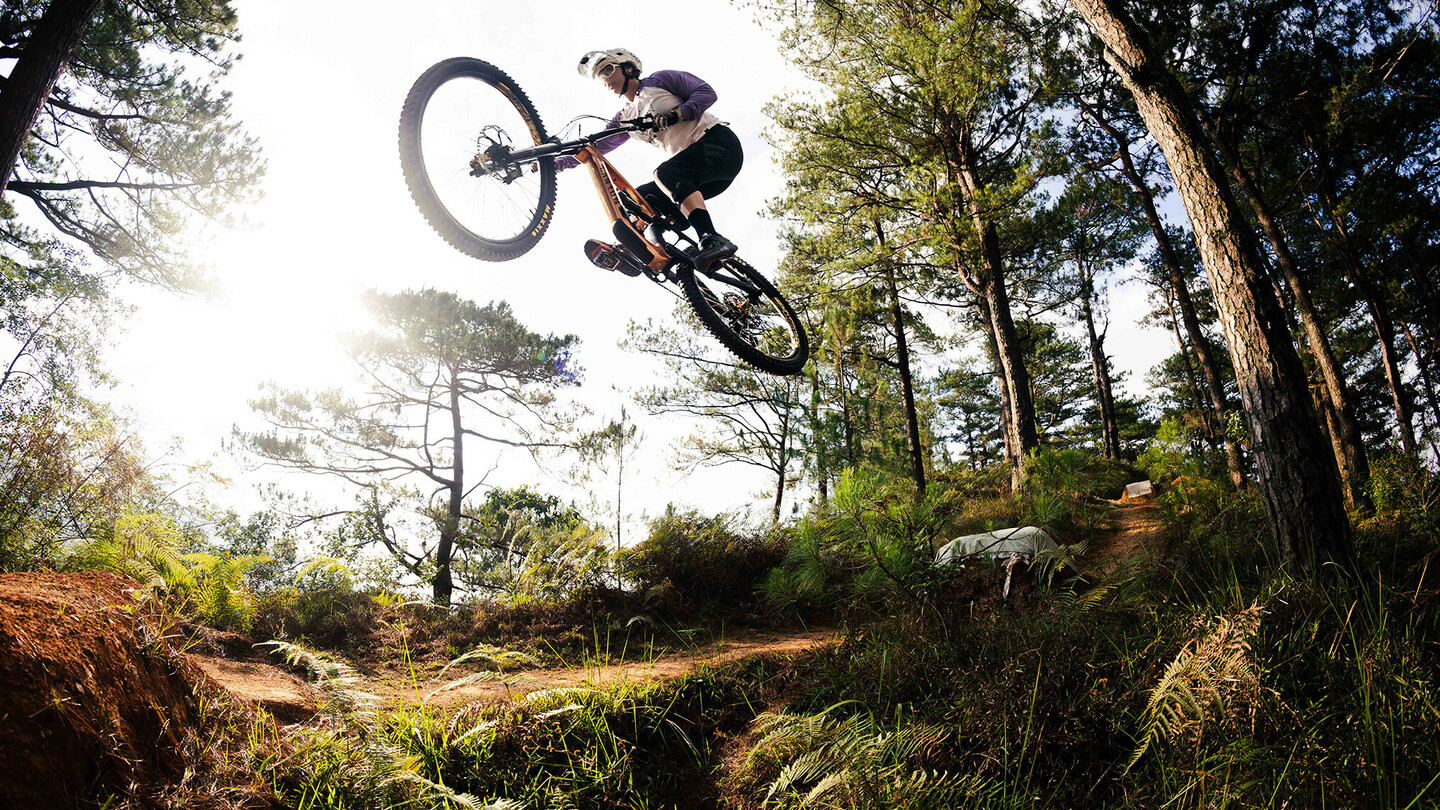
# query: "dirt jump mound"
[[96, 702]]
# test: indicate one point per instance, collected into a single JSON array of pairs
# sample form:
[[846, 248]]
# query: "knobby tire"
[[709, 310], [531, 224]]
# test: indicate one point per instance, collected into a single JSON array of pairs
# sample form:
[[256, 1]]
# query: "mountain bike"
[[482, 171]]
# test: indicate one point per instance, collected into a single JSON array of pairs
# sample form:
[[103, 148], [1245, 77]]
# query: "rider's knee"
[[675, 185]]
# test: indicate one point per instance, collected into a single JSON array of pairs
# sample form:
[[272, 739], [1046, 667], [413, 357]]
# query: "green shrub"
[[708, 561], [875, 544], [331, 618]]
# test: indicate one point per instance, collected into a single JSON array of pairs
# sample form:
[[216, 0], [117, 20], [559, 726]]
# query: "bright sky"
[[320, 85]]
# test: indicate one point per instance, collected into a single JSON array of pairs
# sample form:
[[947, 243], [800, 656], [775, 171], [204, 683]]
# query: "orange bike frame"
[[609, 184]]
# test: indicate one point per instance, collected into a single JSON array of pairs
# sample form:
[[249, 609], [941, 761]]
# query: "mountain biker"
[[705, 155]]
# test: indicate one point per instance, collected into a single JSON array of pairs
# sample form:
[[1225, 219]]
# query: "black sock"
[[700, 218]]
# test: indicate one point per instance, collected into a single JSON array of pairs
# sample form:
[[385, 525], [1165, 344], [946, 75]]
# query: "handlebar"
[[642, 124]]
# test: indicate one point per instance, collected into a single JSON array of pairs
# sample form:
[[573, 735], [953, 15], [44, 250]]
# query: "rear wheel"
[[461, 119], [747, 315]]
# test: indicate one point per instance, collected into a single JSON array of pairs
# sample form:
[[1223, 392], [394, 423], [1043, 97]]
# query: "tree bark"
[[1424, 363], [1347, 442], [988, 284], [1199, 398], [1014, 456], [781, 464], [1379, 315], [1214, 386], [42, 59], [907, 387], [822, 469], [1109, 428], [441, 585], [1299, 485]]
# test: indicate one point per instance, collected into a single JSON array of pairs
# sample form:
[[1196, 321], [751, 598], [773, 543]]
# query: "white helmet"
[[592, 62]]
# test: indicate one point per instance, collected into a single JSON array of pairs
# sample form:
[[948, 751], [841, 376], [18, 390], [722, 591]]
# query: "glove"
[[664, 121]]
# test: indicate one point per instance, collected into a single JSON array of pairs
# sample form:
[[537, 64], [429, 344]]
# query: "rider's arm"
[[695, 95], [605, 145]]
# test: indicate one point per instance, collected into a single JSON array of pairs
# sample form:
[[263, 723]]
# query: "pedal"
[[602, 255], [611, 257]]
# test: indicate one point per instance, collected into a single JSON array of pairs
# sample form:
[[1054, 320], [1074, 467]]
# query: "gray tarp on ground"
[[1027, 540], [1005, 546]]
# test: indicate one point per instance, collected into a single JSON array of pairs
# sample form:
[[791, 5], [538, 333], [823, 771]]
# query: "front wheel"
[[747, 315], [461, 120]]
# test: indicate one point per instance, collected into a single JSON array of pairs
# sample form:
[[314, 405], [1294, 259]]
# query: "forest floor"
[[397, 683], [1135, 532]]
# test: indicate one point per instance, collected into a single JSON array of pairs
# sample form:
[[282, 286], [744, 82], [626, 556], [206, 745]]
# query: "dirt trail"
[[1137, 531], [290, 699]]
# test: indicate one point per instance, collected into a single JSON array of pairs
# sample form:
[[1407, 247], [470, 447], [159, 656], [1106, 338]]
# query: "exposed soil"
[[96, 701], [1135, 534], [289, 699], [261, 685]]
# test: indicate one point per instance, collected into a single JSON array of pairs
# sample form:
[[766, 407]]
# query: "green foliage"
[[1170, 454], [855, 763], [329, 618], [628, 747], [66, 478], [1209, 683], [221, 598], [1407, 492], [525, 544], [1064, 491], [875, 545], [446, 379], [708, 561], [144, 145], [356, 765], [144, 545]]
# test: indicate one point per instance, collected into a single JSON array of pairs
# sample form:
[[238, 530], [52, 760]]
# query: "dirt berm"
[[96, 702]]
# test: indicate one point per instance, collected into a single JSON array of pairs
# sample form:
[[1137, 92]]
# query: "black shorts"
[[707, 166]]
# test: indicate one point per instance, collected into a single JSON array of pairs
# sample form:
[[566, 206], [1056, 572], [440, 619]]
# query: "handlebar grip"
[[643, 123]]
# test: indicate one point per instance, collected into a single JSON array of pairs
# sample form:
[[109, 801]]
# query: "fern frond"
[[1204, 683]]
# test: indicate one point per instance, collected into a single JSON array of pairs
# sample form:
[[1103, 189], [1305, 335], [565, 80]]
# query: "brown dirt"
[[1136, 534], [261, 686], [95, 699], [289, 699], [401, 687]]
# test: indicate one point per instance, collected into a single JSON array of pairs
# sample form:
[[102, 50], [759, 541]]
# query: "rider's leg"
[[704, 169], [674, 217]]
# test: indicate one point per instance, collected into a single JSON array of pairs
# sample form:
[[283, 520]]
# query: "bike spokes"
[[747, 314], [462, 121]]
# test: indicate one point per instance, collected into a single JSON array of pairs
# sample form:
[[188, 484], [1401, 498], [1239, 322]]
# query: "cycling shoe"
[[713, 248]]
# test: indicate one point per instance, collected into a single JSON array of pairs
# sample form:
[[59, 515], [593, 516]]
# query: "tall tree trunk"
[[1198, 398], [1424, 363], [820, 446], [42, 59], [1014, 456], [441, 584], [1379, 315], [907, 386], [989, 283], [1299, 484], [1214, 385], [781, 460], [1347, 442], [1109, 428]]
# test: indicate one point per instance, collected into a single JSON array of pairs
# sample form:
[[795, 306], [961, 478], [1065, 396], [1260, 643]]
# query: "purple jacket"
[[661, 92]]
